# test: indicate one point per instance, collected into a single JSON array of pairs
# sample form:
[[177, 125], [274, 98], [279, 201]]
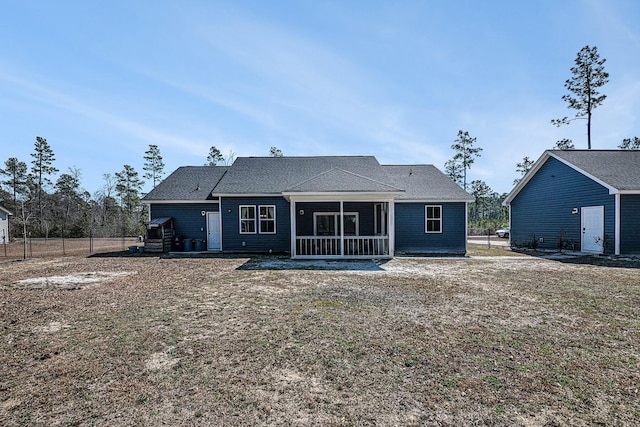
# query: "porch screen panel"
[[325, 225]]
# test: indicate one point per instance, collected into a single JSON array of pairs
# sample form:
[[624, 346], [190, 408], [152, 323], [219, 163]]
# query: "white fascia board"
[[8, 212], [526, 178], [338, 196], [434, 201], [238, 195], [178, 202], [628, 192]]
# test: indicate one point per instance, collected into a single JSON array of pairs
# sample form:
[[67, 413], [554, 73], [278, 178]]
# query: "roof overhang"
[[179, 202], [246, 195], [341, 195], [7, 211], [433, 201]]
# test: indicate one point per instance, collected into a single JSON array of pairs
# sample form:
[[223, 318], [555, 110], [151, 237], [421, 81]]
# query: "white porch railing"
[[354, 246]]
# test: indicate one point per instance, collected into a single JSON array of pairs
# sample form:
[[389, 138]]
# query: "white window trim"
[[260, 219], [255, 228], [336, 216], [426, 208]]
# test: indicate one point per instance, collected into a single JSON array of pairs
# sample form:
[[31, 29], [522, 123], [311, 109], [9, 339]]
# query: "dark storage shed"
[[159, 236]]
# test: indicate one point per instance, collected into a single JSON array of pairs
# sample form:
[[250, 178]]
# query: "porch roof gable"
[[336, 180]]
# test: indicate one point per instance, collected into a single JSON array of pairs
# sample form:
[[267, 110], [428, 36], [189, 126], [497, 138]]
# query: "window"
[[247, 219], [325, 223], [433, 219], [267, 219]]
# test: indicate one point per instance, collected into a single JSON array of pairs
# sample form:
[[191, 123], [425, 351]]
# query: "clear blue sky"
[[103, 80]]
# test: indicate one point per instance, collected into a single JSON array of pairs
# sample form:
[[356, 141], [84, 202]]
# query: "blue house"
[[4, 225], [315, 207], [583, 200]]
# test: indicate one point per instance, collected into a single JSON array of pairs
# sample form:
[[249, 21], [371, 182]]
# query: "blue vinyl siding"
[[630, 224], [188, 221], [543, 208], [410, 229], [304, 223], [232, 239]]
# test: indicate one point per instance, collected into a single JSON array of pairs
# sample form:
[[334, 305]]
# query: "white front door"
[[592, 219], [214, 236]]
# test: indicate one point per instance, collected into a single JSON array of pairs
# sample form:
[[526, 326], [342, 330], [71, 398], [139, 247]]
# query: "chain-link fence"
[[42, 247]]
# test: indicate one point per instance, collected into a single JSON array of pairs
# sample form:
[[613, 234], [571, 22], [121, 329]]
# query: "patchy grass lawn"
[[490, 340]]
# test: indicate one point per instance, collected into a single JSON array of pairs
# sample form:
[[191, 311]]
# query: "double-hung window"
[[247, 219], [433, 219], [267, 219]]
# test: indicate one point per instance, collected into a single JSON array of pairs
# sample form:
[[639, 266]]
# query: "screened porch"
[[341, 229]]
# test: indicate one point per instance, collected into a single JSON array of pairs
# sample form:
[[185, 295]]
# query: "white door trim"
[[214, 225], [592, 229]]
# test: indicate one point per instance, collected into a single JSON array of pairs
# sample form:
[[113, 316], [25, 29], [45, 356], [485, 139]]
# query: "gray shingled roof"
[[424, 182], [274, 175], [338, 180], [188, 183], [277, 175], [619, 169]]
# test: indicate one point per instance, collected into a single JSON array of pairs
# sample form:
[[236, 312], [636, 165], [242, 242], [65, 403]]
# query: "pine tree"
[[214, 157], [523, 167], [275, 152], [588, 76], [564, 144], [153, 166], [16, 173], [41, 169], [630, 144], [454, 171], [128, 187], [466, 154]]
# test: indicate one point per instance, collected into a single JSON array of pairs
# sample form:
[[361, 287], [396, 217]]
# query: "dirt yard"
[[485, 340]]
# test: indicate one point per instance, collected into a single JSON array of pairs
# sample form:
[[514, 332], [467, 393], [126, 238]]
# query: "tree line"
[[46, 206]]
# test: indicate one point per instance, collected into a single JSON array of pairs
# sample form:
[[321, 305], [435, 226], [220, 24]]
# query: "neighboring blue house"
[[297, 205], [583, 200], [4, 225]]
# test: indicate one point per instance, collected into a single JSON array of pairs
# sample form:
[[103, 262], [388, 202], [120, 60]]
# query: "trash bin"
[[176, 244], [199, 245], [133, 249], [187, 245]]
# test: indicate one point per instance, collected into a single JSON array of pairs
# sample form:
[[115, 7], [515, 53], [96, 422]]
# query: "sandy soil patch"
[[73, 280]]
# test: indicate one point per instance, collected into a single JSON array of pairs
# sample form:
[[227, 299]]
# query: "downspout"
[[617, 224]]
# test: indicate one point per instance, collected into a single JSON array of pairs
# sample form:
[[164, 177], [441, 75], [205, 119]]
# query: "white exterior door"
[[214, 235], [592, 219]]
